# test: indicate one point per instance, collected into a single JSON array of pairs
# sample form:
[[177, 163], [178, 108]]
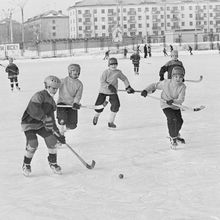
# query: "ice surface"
[[158, 184]]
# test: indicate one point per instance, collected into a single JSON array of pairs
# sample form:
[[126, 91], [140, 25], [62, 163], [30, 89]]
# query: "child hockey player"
[[109, 87], [136, 61], [13, 72], [38, 119], [168, 67], [106, 57], [70, 93], [173, 92]]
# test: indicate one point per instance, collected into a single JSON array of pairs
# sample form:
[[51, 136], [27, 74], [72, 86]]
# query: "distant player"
[[173, 91], [190, 50], [70, 93], [135, 57], [165, 52], [13, 72], [108, 88], [125, 51], [168, 67], [145, 51], [106, 57], [38, 119]]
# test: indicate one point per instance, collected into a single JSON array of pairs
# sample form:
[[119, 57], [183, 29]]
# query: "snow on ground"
[[158, 184]]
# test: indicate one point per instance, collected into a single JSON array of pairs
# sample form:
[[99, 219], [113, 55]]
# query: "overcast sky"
[[32, 7]]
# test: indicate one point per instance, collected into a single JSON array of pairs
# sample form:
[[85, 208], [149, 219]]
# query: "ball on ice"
[[121, 176]]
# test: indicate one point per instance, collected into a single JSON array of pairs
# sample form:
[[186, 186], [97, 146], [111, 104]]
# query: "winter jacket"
[[70, 91], [170, 91], [111, 77]]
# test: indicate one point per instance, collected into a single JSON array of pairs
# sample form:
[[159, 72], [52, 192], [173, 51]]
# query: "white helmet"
[[52, 81]]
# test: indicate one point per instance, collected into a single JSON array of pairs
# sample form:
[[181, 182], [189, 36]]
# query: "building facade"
[[50, 25], [154, 19], [10, 31]]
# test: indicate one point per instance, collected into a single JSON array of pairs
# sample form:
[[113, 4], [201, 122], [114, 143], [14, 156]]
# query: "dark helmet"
[[112, 61]]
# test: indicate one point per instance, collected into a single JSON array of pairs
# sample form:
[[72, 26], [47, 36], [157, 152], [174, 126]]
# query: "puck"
[[121, 176]]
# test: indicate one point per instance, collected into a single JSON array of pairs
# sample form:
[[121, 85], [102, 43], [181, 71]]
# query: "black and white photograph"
[[109, 109]]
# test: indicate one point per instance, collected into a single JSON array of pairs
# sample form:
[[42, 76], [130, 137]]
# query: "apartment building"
[[49, 25], [99, 18]]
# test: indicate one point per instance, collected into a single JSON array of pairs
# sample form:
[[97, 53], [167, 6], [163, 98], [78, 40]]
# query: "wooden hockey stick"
[[81, 159], [196, 80], [86, 106], [182, 107], [77, 155]]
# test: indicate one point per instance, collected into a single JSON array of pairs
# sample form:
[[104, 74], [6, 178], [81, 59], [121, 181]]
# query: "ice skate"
[[173, 142], [54, 167], [111, 125], [95, 120], [180, 139], [18, 88], [26, 169]]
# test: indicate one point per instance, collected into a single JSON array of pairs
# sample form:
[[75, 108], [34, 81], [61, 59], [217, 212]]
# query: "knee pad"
[[51, 141], [31, 148]]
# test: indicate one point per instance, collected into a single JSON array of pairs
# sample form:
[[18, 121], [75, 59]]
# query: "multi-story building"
[[155, 18], [47, 26], [10, 31]]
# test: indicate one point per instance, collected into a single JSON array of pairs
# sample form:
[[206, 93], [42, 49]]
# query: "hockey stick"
[[182, 107], [80, 158], [86, 106], [77, 155], [196, 80]]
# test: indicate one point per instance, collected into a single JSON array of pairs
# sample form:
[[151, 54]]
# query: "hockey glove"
[[48, 123], [130, 90], [161, 78], [144, 93], [170, 102], [76, 106], [61, 138], [112, 88]]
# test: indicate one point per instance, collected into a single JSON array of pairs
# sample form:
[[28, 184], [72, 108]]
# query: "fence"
[[71, 47]]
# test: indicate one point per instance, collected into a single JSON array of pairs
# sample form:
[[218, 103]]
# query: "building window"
[[80, 20], [211, 14], [54, 28], [103, 35], [183, 23], [124, 18], [139, 18], [95, 11], [95, 19], [103, 11], [124, 9], [168, 8], [125, 25], [211, 22], [79, 12], [190, 23], [140, 25], [139, 9], [103, 18], [140, 33], [96, 27], [80, 28], [54, 34], [190, 7], [168, 24], [103, 27], [182, 8], [190, 15], [53, 21], [168, 16]]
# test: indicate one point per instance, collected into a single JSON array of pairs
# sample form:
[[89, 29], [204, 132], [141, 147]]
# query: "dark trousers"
[[68, 116], [174, 121], [113, 99]]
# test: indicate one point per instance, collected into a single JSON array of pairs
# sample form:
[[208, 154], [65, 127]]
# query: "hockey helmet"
[[52, 81], [178, 70], [76, 66], [112, 60]]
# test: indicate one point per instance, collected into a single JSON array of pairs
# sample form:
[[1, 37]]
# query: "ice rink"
[[158, 183]]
